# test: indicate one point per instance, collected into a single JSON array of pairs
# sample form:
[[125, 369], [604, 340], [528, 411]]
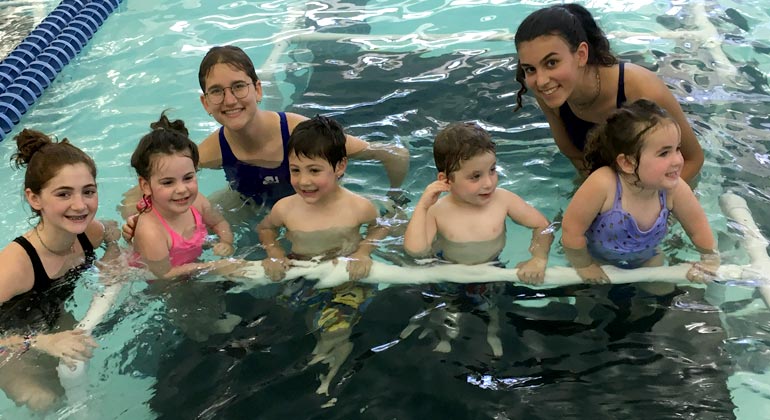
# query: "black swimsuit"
[[40, 308], [578, 129]]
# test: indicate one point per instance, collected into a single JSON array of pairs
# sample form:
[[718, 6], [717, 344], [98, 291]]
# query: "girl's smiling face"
[[173, 183], [233, 113], [551, 70], [660, 159], [69, 200]]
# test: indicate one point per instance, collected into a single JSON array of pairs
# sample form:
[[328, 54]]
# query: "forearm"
[[578, 257], [540, 245], [396, 164], [110, 241], [394, 158], [704, 242], [373, 237], [579, 163], [127, 205], [416, 241], [224, 232], [691, 168], [268, 237], [193, 268], [15, 344]]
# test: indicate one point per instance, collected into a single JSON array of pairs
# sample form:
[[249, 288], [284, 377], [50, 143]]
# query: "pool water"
[[403, 70]]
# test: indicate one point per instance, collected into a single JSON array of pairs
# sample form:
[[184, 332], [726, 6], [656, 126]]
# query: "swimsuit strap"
[[196, 216], [621, 98], [285, 134], [662, 196], [616, 205], [38, 269], [170, 231]]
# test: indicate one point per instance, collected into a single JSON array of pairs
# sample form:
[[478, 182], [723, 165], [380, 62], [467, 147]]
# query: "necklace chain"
[[67, 251], [597, 92]]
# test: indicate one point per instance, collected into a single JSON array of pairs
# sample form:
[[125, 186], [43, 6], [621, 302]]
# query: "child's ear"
[[144, 185], [442, 177], [339, 169], [625, 163], [33, 199]]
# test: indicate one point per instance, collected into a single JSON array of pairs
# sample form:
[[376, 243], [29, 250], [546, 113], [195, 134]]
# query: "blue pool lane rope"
[[31, 67]]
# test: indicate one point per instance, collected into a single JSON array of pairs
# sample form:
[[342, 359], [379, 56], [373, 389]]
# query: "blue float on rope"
[[31, 67]]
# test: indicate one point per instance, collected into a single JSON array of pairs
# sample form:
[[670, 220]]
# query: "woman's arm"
[[209, 153], [561, 138], [642, 83], [394, 157]]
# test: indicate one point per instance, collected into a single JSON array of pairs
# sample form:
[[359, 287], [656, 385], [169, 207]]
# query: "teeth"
[[549, 91]]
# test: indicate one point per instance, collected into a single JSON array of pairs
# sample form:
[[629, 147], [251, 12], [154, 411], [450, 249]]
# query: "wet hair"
[[226, 54], [165, 138], [319, 137], [459, 142], [623, 133], [44, 158], [574, 24]]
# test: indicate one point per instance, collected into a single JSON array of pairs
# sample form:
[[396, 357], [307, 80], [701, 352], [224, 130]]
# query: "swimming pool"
[[406, 68]]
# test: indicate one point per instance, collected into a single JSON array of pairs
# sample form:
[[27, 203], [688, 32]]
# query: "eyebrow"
[[68, 188], [217, 85], [542, 60]]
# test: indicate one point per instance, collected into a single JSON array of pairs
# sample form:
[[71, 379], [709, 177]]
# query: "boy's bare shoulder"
[[285, 204], [503, 194]]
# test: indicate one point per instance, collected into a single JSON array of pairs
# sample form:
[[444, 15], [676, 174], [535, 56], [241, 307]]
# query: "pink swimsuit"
[[183, 250]]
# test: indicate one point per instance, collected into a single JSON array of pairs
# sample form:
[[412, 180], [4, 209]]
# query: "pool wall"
[[31, 67]]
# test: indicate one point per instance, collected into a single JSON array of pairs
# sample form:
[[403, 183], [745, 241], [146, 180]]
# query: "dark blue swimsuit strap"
[[228, 157], [621, 98], [227, 154], [285, 134]]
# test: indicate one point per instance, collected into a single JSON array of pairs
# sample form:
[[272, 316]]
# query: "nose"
[[229, 95], [542, 78], [679, 158], [303, 179], [490, 181], [78, 203]]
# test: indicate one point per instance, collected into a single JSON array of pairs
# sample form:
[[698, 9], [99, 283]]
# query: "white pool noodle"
[[75, 381], [752, 241], [329, 274]]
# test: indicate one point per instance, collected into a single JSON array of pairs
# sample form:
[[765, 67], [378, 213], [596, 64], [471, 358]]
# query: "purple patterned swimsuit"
[[615, 238]]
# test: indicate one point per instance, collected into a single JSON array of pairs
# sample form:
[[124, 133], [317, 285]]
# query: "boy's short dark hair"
[[319, 137], [458, 142]]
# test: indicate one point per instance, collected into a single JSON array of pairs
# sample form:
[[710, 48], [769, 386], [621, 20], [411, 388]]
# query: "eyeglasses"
[[217, 94]]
